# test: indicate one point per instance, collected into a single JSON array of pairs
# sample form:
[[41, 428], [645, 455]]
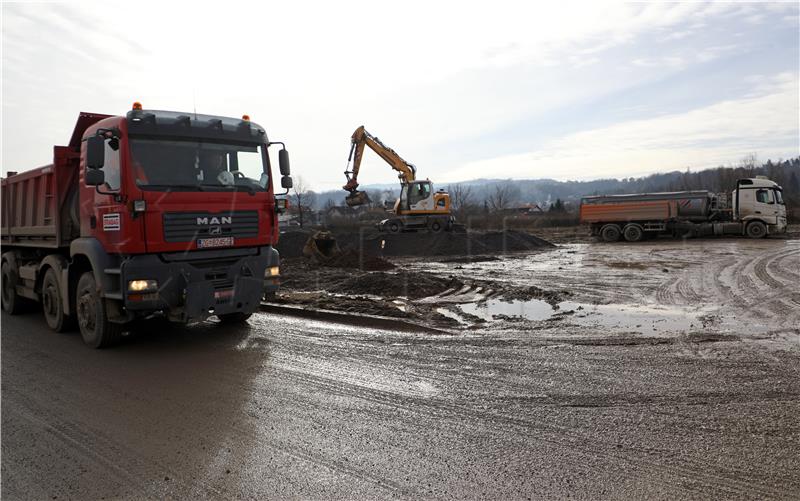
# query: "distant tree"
[[301, 196], [748, 163], [460, 196], [794, 184], [557, 207], [501, 196]]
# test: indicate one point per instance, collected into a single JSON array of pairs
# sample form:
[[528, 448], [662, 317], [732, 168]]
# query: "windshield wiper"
[[170, 187], [235, 187]]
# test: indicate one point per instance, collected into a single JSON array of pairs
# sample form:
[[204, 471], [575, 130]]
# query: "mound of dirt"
[[371, 244], [352, 259], [413, 285], [290, 243], [442, 244]]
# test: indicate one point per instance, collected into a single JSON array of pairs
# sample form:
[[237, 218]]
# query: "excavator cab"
[[416, 196]]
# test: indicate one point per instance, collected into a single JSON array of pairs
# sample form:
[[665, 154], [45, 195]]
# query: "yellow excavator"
[[419, 206]]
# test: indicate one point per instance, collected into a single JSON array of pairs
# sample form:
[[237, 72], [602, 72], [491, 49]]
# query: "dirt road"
[[511, 407]]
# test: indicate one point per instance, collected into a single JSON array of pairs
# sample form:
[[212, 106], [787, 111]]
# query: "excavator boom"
[[360, 139]]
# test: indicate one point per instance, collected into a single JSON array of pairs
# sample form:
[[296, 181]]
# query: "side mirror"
[[286, 182], [283, 161], [94, 177], [95, 152]]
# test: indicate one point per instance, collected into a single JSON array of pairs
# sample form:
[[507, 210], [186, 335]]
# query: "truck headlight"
[[142, 285], [272, 271]]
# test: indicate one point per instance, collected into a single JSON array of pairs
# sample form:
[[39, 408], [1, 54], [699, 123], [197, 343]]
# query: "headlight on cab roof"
[[272, 271], [142, 285]]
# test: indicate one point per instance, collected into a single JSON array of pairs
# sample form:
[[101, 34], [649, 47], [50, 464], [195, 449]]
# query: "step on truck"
[[154, 213], [755, 208]]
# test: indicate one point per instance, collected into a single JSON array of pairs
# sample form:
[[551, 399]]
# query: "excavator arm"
[[361, 138]]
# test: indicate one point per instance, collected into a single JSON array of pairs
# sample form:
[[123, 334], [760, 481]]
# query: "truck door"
[[765, 205], [113, 222]]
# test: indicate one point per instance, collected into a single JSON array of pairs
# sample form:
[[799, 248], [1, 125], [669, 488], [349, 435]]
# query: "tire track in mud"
[[98, 449], [730, 482], [331, 382]]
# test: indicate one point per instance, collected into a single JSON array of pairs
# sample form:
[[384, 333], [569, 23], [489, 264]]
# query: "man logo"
[[215, 230], [215, 220]]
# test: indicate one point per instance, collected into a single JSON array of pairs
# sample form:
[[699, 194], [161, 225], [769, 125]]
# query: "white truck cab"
[[759, 199]]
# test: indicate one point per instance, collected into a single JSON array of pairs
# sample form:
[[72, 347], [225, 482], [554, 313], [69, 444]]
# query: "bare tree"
[[460, 196], [749, 162], [501, 196], [301, 196]]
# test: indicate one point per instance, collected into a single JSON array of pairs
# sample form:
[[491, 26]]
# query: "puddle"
[[532, 310], [630, 318]]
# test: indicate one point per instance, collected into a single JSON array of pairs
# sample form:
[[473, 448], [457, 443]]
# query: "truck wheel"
[[756, 229], [610, 233], [52, 304], [436, 226], [97, 331], [234, 318], [394, 227], [633, 233], [13, 303]]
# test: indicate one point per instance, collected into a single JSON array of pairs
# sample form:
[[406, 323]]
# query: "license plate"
[[204, 243], [223, 294]]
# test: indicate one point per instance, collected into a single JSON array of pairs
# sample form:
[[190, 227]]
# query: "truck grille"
[[188, 226]]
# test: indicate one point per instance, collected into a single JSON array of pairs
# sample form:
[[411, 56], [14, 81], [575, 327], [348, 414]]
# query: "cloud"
[[721, 133], [432, 78]]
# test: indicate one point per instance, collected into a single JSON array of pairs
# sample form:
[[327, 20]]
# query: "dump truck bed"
[[692, 205], [35, 204]]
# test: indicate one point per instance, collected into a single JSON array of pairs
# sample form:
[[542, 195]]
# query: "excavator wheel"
[[394, 226], [436, 226]]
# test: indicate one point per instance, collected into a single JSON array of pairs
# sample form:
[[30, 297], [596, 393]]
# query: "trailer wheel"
[[234, 318], [436, 226], [394, 227], [756, 229], [633, 233], [97, 331], [610, 233], [13, 303], [52, 303]]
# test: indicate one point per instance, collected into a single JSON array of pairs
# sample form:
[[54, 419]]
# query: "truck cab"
[[150, 213], [759, 200]]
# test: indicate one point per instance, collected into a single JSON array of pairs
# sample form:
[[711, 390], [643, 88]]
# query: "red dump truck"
[[755, 208], [153, 213]]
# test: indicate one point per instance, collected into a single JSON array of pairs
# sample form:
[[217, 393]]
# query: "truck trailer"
[[154, 213], [755, 208]]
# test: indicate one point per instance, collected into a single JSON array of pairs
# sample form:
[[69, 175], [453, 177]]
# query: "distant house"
[[524, 210]]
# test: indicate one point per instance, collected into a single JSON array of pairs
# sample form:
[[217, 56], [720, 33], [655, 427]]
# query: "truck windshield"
[[159, 164]]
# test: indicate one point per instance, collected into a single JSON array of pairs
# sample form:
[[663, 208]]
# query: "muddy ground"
[[662, 370], [659, 288]]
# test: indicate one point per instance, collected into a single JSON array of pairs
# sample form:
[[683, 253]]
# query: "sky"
[[464, 90]]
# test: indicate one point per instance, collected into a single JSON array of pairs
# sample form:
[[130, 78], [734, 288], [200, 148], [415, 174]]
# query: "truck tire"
[[52, 303], [97, 331], [610, 233], [234, 318], [756, 229], [633, 233], [13, 303]]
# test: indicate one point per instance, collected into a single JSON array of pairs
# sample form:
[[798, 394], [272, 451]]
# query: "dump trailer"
[[755, 208], [153, 213]]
